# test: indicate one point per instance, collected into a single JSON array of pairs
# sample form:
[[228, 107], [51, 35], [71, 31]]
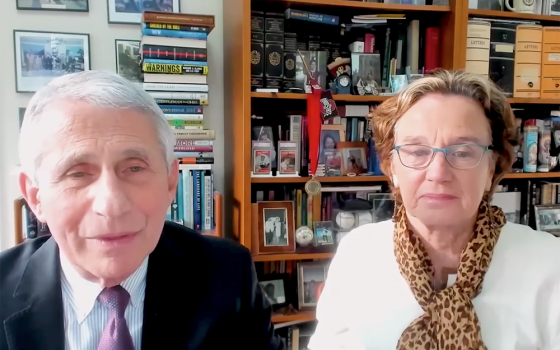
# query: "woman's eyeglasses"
[[464, 156]]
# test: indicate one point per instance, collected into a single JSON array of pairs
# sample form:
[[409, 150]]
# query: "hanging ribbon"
[[314, 122]]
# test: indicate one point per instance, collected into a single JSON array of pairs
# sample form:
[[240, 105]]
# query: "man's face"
[[103, 188]]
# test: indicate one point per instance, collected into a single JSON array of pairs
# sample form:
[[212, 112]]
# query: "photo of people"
[[261, 162], [287, 162], [42, 56], [354, 160], [315, 67], [329, 140], [130, 11], [264, 133], [333, 163], [128, 59], [61, 5], [274, 291], [275, 227], [366, 73], [549, 219], [311, 278]]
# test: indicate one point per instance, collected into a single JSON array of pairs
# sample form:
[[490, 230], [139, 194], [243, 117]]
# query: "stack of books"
[[175, 69]]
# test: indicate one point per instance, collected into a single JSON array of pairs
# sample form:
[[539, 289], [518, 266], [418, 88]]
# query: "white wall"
[[102, 44]]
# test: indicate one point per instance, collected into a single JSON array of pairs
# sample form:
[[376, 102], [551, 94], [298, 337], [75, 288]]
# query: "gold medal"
[[312, 187]]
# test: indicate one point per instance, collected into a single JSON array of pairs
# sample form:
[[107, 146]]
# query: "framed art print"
[[53, 5], [276, 227], [130, 11], [42, 56], [128, 59]]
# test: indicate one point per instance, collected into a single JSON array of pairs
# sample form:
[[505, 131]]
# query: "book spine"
[[201, 142], [312, 17], [181, 19], [196, 134], [192, 154], [171, 109], [193, 149], [171, 68], [196, 160], [196, 199], [175, 87], [174, 53], [187, 197], [208, 200], [174, 33], [181, 102], [175, 27], [180, 202], [188, 117], [186, 63]]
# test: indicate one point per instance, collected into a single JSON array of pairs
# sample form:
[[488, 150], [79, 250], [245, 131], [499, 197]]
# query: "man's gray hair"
[[98, 88]]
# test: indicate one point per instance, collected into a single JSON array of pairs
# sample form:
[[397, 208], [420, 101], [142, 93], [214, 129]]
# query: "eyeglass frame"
[[444, 151]]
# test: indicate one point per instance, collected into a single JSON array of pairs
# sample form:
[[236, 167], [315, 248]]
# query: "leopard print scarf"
[[449, 320]]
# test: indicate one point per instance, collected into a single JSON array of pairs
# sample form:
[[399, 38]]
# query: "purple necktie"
[[116, 335]]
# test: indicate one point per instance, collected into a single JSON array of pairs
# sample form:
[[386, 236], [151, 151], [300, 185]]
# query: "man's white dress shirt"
[[367, 304], [85, 317]]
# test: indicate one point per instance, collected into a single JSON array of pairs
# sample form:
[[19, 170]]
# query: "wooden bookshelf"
[[302, 316], [239, 99]]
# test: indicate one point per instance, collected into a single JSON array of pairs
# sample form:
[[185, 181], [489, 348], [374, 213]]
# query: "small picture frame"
[[383, 206], [53, 5], [324, 233], [265, 134], [42, 56], [128, 59], [354, 157], [275, 289], [130, 12], [276, 227], [331, 136], [287, 158], [311, 281], [547, 218], [262, 158], [333, 163]]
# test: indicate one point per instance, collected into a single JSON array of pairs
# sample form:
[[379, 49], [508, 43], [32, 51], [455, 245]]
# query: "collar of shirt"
[[84, 293]]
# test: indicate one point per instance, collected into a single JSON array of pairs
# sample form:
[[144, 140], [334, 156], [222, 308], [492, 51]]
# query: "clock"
[[342, 84], [304, 236]]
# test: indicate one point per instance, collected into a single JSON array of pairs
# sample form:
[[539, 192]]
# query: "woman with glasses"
[[448, 272]]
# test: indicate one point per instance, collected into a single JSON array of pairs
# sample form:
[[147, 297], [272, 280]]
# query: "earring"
[[395, 181]]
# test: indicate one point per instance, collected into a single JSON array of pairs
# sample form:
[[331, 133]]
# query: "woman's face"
[[439, 194], [329, 143]]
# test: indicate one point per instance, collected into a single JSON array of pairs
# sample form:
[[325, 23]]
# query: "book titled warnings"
[[170, 68]]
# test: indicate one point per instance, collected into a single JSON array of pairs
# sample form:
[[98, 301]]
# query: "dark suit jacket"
[[201, 293]]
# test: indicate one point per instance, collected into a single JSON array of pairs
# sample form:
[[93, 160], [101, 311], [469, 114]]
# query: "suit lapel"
[[39, 324], [170, 301]]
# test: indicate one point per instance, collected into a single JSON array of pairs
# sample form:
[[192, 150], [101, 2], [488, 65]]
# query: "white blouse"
[[366, 303]]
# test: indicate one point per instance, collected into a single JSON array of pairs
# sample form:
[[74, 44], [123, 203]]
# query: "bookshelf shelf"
[[322, 179], [292, 96], [363, 5], [343, 179], [293, 256], [513, 15], [548, 101], [304, 316]]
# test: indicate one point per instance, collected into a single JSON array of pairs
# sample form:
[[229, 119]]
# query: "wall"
[[102, 46]]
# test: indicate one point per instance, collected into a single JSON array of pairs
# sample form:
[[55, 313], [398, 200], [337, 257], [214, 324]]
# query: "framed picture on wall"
[[128, 59], [130, 11], [42, 56], [53, 5]]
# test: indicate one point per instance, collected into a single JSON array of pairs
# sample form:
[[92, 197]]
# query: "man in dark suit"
[[98, 169]]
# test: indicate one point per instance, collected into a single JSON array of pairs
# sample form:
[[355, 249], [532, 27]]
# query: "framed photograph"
[[383, 206], [331, 135], [354, 157], [275, 289], [324, 233], [42, 56], [53, 5], [548, 218], [276, 227], [128, 59], [21, 115], [316, 63], [311, 280], [130, 11], [333, 163]]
